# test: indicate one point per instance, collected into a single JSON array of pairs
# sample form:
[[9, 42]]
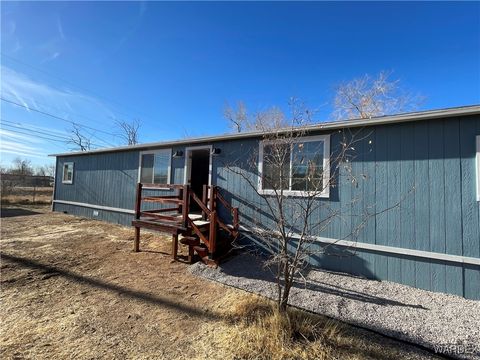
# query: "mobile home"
[[427, 162]]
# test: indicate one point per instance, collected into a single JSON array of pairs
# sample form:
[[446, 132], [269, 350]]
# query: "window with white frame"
[[67, 175], [155, 167], [298, 167], [478, 167]]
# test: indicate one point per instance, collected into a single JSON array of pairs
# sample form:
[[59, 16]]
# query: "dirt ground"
[[72, 288]]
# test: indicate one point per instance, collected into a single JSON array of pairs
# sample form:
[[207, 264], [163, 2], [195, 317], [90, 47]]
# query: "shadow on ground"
[[12, 212], [236, 268], [103, 285]]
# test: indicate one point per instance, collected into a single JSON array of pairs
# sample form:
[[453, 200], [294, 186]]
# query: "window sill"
[[295, 193], [67, 182]]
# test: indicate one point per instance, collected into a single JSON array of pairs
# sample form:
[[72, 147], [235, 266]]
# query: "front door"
[[198, 172]]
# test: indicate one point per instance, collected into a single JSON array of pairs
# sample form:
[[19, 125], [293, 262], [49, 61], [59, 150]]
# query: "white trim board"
[[92, 206], [343, 243], [392, 250], [478, 167]]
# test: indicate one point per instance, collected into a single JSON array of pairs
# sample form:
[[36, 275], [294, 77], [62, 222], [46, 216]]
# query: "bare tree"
[[366, 97], [237, 118], [240, 120], [129, 131], [12, 177], [291, 163], [45, 170], [295, 173], [78, 139], [21, 167]]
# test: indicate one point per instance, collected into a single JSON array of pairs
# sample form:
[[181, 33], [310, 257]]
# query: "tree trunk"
[[283, 303]]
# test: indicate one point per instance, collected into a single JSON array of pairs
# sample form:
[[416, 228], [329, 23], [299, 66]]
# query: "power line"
[[43, 135], [52, 141], [74, 115], [34, 131], [72, 84], [69, 121], [55, 116], [36, 135], [33, 127]]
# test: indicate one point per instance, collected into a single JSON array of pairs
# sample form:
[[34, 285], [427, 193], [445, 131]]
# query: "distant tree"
[[240, 120], [366, 97], [45, 170], [40, 171], [129, 131], [21, 167], [79, 139]]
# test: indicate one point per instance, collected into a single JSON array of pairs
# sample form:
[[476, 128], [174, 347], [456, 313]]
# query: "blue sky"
[[175, 65]]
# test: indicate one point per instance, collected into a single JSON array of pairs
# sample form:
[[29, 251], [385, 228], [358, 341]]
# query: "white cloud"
[[60, 30], [52, 57], [12, 135], [20, 149], [36, 95]]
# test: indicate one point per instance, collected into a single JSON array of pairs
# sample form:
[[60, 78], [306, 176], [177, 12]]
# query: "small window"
[[67, 177], [478, 167], [155, 167], [298, 167]]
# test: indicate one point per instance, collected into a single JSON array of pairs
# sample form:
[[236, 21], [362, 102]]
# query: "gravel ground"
[[418, 316]]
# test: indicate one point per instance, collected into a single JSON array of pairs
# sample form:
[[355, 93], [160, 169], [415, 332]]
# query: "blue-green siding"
[[423, 172]]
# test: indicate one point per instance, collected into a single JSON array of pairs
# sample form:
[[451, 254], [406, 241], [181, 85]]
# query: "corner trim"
[[477, 158]]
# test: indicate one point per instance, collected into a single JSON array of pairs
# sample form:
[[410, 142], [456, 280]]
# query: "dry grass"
[[28, 195], [72, 288], [254, 329]]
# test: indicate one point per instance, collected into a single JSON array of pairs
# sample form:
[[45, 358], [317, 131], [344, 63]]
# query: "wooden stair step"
[[190, 240], [171, 228], [201, 250], [163, 200], [209, 262]]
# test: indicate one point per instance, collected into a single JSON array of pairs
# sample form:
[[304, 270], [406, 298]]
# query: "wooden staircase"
[[205, 233]]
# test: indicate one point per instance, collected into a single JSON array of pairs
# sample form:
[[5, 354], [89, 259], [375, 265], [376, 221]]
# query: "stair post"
[[213, 234], [212, 199], [186, 205], [235, 220], [138, 206], [204, 200]]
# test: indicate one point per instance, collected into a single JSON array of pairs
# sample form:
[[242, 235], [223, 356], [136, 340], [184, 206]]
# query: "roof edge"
[[331, 125]]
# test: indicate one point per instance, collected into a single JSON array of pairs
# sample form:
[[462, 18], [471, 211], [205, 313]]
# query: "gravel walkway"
[[418, 316]]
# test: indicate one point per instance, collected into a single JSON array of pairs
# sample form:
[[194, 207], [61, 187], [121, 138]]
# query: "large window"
[[298, 167], [155, 167], [67, 175]]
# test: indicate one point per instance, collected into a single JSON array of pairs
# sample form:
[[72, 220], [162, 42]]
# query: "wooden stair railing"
[[211, 217], [211, 196], [176, 220]]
